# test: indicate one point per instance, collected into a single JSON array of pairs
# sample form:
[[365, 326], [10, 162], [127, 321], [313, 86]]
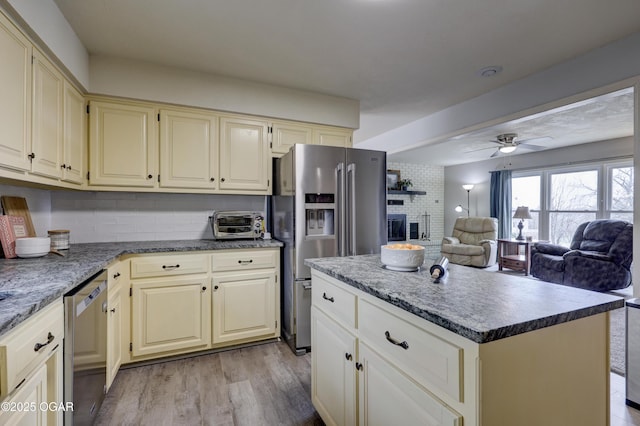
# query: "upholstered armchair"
[[599, 257], [473, 243]]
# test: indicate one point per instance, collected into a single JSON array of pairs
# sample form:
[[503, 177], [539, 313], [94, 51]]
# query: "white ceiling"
[[402, 59]]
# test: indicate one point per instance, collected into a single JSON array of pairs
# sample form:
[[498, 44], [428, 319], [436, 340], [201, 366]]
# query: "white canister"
[[59, 239]]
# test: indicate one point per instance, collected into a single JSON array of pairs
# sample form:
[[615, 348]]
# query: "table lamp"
[[521, 213]]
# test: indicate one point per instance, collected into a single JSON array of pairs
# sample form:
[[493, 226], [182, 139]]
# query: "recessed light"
[[490, 71]]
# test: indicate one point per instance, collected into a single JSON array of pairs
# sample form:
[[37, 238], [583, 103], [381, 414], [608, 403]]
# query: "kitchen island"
[[480, 348]]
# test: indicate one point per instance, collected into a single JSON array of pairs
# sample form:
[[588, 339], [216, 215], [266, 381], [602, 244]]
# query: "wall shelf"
[[399, 192]]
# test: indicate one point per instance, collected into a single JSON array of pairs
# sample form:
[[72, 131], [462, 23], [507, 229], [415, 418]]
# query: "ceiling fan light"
[[507, 149]]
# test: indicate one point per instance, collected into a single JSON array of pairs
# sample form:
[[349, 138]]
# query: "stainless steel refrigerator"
[[327, 201]]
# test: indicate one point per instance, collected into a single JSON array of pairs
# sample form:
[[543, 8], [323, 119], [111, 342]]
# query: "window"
[[560, 199]]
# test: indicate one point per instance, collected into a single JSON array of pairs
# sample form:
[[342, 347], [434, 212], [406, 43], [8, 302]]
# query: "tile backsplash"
[[94, 216], [424, 178]]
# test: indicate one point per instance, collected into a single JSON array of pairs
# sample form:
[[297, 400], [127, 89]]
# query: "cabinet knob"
[[204, 288], [222, 179], [113, 310], [348, 356], [212, 179], [359, 366], [215, 287], [150, 177], [68, 167], [31, 156], [63, 166]]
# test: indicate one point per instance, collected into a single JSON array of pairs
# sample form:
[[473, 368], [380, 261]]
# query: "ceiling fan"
[[508, 143]]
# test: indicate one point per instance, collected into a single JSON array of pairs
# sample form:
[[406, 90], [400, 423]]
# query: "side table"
[[509, 255]]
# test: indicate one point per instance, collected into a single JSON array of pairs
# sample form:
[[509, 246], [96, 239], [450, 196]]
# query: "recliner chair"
[[599, 257], [474, 242]]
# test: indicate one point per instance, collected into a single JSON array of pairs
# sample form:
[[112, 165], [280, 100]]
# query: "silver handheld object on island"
[[439, 269]]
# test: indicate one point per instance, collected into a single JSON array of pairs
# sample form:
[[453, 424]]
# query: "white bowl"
[[402, 257], [31, 254], [33, 242]]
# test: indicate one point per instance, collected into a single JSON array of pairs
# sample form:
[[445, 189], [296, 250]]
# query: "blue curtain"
[[500, 200]]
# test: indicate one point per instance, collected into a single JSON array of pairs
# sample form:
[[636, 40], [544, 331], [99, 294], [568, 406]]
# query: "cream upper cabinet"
[[333, 136], [123, 145], [15, 101], [46, 142], [74, 135], [284, 135], [188, 149], [244, 155]]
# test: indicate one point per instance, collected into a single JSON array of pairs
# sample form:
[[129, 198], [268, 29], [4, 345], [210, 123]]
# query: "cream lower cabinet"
[[246, 296], [335, 351], [118, 275], [170, 315], [244, 305], [170, 305], [31, 370]]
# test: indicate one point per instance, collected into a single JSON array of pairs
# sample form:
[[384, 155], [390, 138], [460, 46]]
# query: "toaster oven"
[[229, 225]]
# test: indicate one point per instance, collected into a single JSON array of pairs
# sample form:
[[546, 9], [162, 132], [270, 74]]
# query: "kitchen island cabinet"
[[481, 348]]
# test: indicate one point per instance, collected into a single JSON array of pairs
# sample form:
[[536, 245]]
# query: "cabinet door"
[[73, 135], [387, 397], [244, 305], [30, 395], [285, 135], [188, 150], [123, 148], [333, 373], [114, 327], [333, 137], [15, 101], [172, 314], [46, 143], [244, 155]]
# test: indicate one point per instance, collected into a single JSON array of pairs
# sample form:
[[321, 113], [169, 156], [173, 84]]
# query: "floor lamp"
[[459, 208]]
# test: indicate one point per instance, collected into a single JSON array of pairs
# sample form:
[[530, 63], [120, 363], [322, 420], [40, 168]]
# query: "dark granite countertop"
[[479, 305], [28, 285]]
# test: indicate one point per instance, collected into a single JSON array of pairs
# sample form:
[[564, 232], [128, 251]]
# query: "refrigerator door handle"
[[340, 195], [351, 193]]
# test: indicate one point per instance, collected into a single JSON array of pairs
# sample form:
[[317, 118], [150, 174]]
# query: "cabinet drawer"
[[338, 303], [21, 350], [168, 265], [236, 260], [428, 359], [117, 272]]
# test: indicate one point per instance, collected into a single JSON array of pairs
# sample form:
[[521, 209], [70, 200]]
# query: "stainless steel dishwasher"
[[85, 349]]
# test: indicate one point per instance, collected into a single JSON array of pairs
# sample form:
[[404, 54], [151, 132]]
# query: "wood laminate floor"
[[259, 385]]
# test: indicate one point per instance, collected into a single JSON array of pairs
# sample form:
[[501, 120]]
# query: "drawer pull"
[[348, 356], [245, 262], [39, 346], [170, 266], [325, 297], [404, 345], [116, 275], [359, 366]]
